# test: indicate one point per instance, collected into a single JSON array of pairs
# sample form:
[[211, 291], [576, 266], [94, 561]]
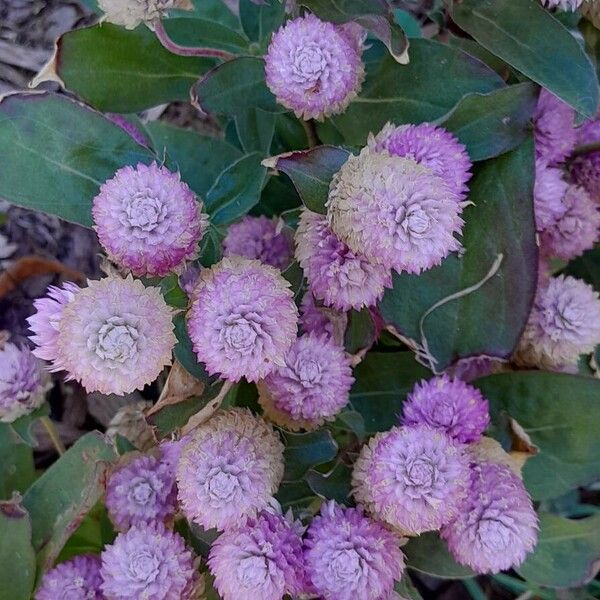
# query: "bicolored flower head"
[[336, 275], [412, 478], [566, 5], [314, 67], [431, 146], [150, 562], [564, 323], [148, 220], [585, 168], [115, 335], [448, 404], [548, 193], [496, 526], [312, 318], [243, 319], [261, 557], [312, 387], [394, 211], [131, 13], [349, 556], [554, 128], [267, 240], [229, 469], [75, 579]]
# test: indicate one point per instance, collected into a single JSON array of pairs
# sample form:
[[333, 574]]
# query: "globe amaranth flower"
[[394, 211], [497, 526], [567, 5], [243, 319], [312, 319], [267, 240], [564, 322], [115, 335], [548, 193], [148, 220], [349, 556], [314, 67], [75, 579], [312, 387], [412, 478], [448, 404], [336, 275], [150, 562], [431, 146], [229, 469], [261, 557], [141, 491], [554, 128], [585, 168], [131, 13], [23, 382]]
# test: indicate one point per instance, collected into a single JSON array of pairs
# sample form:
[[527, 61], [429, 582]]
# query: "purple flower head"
[[170, 453], [149, 562], [335, 274], [243, 319], [448, 404], [141, 491], [394, 211], [554, 128], [585, 169], [567, 5], [75, 579], [314, 67], [312, 319], [496, 527], [412, 478], [431, 146], [189, 278], [128, 127], [265, 239], [229, 469], [148, 220], [349, 556], [311, 388], [548, 193], [564, 323], [259, 558], [115, 336]]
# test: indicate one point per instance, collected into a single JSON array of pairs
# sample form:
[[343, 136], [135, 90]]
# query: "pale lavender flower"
[[585, 168], [312, 319], [554, 128], [131, 13], [75, 579], [548, 193]]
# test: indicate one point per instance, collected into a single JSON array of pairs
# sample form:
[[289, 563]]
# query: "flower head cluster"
[[141, 491], [585, 169], [554, 128], [243, 319], [548, 193], [336, 275], [451, 405], [75, 579], [314, 67], [394, 211], [349, 556], [313, 320], [259, 558], [131, 13], [148, 220], [265, 239], [229, 468], [497, 526], [568, 5], [311, 388], [431, 146], [412, 478]]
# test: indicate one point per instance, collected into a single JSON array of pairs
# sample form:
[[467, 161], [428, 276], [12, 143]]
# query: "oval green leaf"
[[306, 450]]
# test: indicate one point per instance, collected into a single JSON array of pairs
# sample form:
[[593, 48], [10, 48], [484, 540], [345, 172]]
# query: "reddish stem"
[[175, 48]]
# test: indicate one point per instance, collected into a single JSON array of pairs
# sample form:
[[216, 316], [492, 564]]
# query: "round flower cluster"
[[131, 13], [554, 128], [585, 168], [75, 579], [312, 319]]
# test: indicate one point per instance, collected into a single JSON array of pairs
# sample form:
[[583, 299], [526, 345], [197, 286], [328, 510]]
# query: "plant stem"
[[586, 149], [54, 435], [311, 132], [175, 48]]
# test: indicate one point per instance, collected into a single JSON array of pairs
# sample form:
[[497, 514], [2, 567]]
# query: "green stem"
[[54, 435], [311, 132]]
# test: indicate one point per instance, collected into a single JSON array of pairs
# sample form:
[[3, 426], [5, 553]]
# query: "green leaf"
[[184, 351], [259, 21], [17, 470], [567, 554], [216, 11], [295, 276], [498, 269], [586, 267], [566, 433], [361, 331], [406, 589], [255, 129], [335, 485], [411, 26], [203, 32], [23, 427], [530, 39], [56, 153], [295, 494], [124, 71], [306, 450], [174, 296], [17, 557]]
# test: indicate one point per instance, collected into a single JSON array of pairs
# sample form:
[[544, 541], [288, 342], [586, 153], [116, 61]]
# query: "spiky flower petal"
[[585, 168], [548, 193], [75, 579], [312, 319], [554, 128]]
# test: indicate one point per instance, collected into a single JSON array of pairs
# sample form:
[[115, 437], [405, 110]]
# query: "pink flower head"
[[259, 558], [448, 404], [312, 387], [564, 323], [335, 274], [394, 211], [149, 562], [75, 579], [243, 319], [229, 469], [554, 128], [115, 335], [312, 319], [431, 146], [585, 168], [148, 220], [412, 478], [496, 526], [548, 193], [265, 239], [349, 556], [314, 67]]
